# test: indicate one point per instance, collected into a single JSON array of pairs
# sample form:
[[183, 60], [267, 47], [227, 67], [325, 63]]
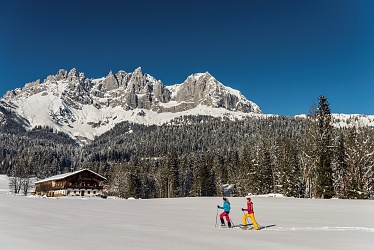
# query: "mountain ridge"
[[86, 107]]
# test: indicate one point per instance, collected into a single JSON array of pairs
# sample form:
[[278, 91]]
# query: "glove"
[[217, 206], [242, 209]]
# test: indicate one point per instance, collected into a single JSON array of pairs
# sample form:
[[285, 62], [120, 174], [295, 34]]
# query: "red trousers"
[[226, 215]]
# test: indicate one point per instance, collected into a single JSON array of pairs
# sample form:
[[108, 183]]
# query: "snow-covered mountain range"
[[85, 107]]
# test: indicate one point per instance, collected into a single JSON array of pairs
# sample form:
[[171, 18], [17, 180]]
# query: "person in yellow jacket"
[[250, 214]]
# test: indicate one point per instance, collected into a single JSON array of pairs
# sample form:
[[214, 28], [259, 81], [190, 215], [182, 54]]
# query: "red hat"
[[248, 199]]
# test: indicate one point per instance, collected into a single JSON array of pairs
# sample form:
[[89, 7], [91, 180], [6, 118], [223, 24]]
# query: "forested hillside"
[[195, 155]]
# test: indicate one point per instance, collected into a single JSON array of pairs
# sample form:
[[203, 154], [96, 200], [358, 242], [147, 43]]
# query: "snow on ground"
[[4, 183], [182, 223]]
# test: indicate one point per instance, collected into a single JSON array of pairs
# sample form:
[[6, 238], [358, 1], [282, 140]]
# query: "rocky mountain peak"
[[62, 74], [138, 70], [204, 89], [73, 74], [110, 82]]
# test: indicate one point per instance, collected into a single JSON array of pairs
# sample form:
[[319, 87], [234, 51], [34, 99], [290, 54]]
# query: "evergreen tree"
[[173, 182], [246, 172], [208, 176], [265, 173], [289, 169], [324, 184]]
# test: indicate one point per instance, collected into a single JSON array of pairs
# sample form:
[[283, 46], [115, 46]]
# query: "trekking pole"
[[216, 217], [232, 223]]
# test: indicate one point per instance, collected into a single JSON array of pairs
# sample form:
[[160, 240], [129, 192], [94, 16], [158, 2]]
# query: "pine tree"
[[324, 185], [289, 169], [173, 182], [245, 170]]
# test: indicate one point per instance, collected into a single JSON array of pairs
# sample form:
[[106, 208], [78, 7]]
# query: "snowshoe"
[[245, 227]]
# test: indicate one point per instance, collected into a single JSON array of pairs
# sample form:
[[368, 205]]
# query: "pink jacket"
[[249, 208]]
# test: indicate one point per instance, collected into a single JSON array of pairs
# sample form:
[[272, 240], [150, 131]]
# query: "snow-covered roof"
[[63, 176]]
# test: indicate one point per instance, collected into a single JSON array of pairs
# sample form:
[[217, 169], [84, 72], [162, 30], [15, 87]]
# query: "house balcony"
[[76, 187]]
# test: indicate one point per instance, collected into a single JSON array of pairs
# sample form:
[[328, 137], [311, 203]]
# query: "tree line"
[[196, 155]]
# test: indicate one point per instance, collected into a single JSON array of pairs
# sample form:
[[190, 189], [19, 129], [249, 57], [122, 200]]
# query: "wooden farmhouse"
[[79, 183]]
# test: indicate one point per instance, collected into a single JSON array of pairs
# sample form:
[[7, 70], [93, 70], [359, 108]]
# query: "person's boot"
[[229, 223], [222, 222]]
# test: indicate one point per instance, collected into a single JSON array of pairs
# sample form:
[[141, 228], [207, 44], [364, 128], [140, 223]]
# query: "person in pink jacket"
[[250, 213]]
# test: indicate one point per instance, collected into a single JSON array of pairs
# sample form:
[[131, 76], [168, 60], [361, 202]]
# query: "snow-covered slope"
[[183, 223], [349, 120]]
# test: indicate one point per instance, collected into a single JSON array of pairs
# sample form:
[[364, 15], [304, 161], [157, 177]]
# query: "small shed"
[[83, 182]]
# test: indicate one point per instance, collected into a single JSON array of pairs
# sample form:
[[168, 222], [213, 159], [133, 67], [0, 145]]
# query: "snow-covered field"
[[183, 223]]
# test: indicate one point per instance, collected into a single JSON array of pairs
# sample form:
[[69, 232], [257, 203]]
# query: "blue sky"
[[280, 54]]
